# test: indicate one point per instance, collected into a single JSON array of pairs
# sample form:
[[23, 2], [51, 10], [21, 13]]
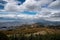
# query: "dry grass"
[[31, 30]]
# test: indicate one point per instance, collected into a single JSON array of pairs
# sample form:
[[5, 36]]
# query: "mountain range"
[[8, 25]]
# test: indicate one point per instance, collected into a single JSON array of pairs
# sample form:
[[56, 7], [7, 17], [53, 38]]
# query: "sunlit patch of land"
[[28, 29], [32, 32]]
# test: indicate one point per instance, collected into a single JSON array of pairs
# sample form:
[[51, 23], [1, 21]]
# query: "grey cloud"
[[56, 15], [55, 5], [36, 5]]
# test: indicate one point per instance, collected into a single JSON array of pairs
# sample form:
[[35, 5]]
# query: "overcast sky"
[[30, 10]]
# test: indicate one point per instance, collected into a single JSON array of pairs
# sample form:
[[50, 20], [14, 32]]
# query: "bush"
[[36, 37], [3, 36]]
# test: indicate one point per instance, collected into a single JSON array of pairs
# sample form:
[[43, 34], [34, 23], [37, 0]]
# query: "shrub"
[[3, 36], [36, 37]]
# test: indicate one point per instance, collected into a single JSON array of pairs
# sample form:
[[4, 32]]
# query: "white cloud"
[[45, 13], [31, 5], [11, 6], [16, 16], [55, 5], [50, 15]]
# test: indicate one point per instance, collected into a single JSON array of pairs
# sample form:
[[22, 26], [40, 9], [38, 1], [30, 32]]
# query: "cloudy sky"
[[29, 10]]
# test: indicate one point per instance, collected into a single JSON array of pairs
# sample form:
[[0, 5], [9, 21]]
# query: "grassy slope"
[[32, 30]]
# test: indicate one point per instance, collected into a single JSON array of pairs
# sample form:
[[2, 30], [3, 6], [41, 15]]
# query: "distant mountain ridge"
[[7, 25]]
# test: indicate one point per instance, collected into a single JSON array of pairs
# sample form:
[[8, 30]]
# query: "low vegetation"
[[31, 32], [31, 37]]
